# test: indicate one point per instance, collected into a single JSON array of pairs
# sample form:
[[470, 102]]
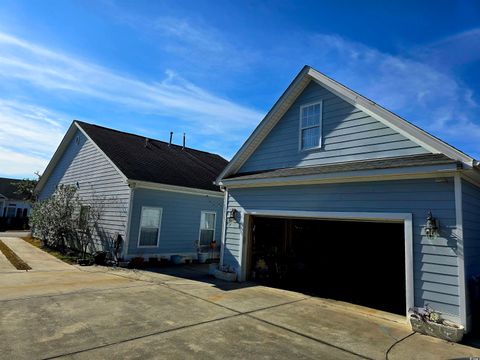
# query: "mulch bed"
[[13, 258]]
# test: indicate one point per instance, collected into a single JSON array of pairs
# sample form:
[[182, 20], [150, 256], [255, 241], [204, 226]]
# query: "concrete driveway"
[[179, 313]]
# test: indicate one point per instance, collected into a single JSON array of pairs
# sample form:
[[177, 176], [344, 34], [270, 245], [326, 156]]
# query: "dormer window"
[[311, 126]]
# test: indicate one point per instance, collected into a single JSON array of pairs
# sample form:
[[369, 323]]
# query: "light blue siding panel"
[[471, 228], [83, 165], [180, 220], [435, 260], [471, 232], [347, 133]]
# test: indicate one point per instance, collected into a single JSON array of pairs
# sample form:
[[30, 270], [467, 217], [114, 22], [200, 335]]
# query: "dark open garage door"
[[357, 262]]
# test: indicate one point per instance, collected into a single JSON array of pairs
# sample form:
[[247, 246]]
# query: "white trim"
[[224, 225], [390, 119], [202, 212], [129, 221], [263, 128], [56, 157], [301, 128], [460, 254], [173, 188], [406, 218], [412, 132], [345, 177], [101, 151], [140, 227]]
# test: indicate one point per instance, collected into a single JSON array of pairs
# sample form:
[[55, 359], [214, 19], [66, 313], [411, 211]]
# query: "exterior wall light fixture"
[[432, 226], [232, 215]]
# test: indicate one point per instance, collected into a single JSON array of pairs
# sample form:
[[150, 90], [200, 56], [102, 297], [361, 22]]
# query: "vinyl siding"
[[180, 220], [435, 260], [471, 236], [471, 228], [348, 134], [84, 164]]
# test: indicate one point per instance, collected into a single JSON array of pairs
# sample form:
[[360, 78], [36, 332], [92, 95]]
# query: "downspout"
[[224, 225]]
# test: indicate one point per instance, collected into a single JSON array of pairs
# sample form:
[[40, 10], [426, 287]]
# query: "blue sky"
[[213, 69]]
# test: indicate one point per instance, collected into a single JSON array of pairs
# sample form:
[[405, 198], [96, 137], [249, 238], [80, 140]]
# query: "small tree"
[[66, 220], [26, 188], [53, 218]]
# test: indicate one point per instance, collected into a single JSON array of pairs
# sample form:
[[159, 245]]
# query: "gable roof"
[[8, 188], [296, 87], [154, 161]]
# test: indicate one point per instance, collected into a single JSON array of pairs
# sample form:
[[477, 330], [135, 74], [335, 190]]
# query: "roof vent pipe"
[[147, 142], [183, 147], [171, 136]]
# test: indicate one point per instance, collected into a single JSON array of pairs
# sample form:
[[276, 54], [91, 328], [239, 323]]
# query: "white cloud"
[[28, 136], [418, 91], [19, 165], [173, 96], [32, 133]]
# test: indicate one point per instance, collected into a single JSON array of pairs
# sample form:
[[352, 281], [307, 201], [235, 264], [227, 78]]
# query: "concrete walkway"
[[99, 312], [37, 259]]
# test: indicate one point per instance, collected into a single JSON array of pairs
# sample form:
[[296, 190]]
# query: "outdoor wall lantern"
[[232, 215], [431, 228]]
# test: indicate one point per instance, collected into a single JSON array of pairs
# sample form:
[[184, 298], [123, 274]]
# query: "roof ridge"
[[144, 137]]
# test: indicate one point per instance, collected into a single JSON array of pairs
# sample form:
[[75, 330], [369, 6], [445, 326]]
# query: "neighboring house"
[[160, 197], [336, 189], [14, 210]]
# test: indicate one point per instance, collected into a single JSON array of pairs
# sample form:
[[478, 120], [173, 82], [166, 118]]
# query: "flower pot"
[[446, 331], [84, 262], [226, 276]]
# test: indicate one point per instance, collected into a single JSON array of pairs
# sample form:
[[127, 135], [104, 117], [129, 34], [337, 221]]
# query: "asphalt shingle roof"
[[386, 163], [8, 189], [157, 162]]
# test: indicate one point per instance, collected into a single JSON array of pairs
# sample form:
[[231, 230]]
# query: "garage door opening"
[[354, 261]]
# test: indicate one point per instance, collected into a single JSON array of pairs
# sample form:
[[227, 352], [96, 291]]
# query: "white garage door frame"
[[405, 218]]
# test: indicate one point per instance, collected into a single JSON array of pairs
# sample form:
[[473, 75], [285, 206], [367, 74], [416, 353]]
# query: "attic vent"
[[77, 140]]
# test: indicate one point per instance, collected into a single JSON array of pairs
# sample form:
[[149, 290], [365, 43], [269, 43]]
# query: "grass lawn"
[[69, 259]]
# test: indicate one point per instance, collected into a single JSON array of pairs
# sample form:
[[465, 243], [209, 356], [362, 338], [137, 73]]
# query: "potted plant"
[[226, 273], [427, 321]]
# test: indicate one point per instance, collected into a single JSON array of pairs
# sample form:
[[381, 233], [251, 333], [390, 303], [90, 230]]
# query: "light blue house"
[[333, 188], [158, 197]]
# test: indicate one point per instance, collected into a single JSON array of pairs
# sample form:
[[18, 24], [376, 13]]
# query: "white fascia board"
[[351, 176], [173, 188], [261, 131], [67, 138], [410, 131], [407, 129], [101, 151], [462, 287]]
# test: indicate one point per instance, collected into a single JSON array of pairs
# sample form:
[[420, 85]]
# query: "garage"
[[360, 262]]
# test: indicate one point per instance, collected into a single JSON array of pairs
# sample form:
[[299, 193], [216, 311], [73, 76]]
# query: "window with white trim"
[[311, 126], [207, 228], [150, 221]]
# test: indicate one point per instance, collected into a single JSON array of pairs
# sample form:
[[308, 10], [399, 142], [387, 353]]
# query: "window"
[[311, 126], [207, 228], [150, 221], [83, 216], [11, 211]]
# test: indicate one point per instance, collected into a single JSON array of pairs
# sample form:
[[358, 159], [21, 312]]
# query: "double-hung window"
[[207, 228], [311, 126], [150, 221]]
